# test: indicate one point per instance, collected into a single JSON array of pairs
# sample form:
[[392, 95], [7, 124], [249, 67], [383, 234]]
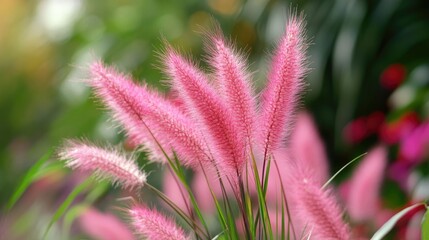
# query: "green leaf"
[[28, 179], [65, 205], [339, 171], [382, 232], [425, 225]]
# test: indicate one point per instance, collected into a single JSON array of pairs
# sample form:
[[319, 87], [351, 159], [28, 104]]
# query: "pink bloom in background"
[[393, 132], [307, 147], [364, 187], [414, 146], [363, 127], [103, 226], [393, 76], [154, 226]]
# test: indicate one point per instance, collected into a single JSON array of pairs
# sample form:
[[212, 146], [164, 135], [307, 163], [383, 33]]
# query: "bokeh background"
[[368, 84]]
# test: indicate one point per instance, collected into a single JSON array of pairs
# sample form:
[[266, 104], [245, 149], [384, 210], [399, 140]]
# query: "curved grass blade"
[[339, 171], [71, 215], [425, 225], [65, 205], [28, 179], [382, 232]]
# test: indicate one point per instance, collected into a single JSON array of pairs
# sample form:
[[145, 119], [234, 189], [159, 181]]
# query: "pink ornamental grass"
[[106, 164], [280, 96], [233, 81], [208, 124], [154, 226], [208, 110], [316, 211], [150, 119]]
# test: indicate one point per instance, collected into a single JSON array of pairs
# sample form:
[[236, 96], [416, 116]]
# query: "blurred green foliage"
[[46, 46]]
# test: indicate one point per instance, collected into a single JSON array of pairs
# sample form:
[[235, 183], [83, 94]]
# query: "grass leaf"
[[67, 202], [425, 225], [339, 171], [28, 179], [382, 232]]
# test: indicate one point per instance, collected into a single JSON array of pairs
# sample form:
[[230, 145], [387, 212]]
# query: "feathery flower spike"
[[153, 225], [233, 81], [106, 164], [122, 97], [210, 111], [140, 109], [280, 96], [315, 209]]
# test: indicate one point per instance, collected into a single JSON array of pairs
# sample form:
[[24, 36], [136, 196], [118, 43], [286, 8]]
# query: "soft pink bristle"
[[209, 110], [234, 84], [315, 210], [145, 113], [106, 164], [153, 225], [281, 94], [123, 98]]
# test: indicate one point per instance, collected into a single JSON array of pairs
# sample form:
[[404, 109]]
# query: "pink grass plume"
[[316, 210], [154, 226], [149, 118], [234, 82], [208, 109], [280, 97], [105, 164], [364, 187]]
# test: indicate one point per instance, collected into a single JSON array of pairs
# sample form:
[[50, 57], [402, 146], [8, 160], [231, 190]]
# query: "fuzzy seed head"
[[281, 94], [153, 225], [316, 210], [105, 164]]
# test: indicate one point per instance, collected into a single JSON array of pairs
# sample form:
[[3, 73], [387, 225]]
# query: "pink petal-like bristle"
[[209, 110], [315, 210], [230, 75], [281, 94], [153, 225], [365, 184], [145, 113], [105, 164]]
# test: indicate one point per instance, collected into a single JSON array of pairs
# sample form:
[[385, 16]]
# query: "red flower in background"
[[393, 76]]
